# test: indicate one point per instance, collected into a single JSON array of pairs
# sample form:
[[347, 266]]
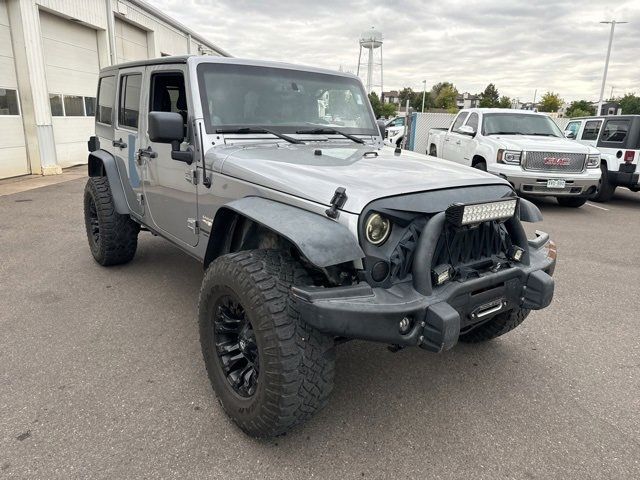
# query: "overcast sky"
[[520, 45]]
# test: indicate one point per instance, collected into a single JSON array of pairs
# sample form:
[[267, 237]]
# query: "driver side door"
[[170, 186]]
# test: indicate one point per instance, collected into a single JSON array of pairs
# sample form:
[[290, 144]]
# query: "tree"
[[490, 97], [505, 102], [550, 102], [630, 104], [580, 108], [406, 94], [388, 110], [444, 95], [376, 104]]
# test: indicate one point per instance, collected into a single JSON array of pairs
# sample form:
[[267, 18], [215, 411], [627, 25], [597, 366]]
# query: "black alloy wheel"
[[235, 345], [94, 223]]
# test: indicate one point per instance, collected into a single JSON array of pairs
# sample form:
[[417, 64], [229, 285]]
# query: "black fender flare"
[[322, 241], [102, 163], [529, 212]]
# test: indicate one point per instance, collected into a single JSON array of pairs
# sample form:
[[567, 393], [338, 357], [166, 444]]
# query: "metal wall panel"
[[131, 42]]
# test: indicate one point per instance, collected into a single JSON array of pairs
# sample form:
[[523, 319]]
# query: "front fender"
[[321, 240], [102, 163]]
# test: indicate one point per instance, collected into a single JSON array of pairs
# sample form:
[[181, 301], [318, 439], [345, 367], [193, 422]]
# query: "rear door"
[[590, 132], [453, 140], [126, 134], [170, 186]]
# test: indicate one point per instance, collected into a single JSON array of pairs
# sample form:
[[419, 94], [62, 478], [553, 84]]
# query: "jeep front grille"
[[470, 245], [554, 162]]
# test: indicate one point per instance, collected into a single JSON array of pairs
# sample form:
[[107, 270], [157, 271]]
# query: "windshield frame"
[[203, 68], [554, 126]]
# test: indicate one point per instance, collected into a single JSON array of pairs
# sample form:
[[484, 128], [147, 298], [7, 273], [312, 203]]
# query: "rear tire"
[[113, 238], [605, 188], [571, 201], [293, 363], [497, 326]]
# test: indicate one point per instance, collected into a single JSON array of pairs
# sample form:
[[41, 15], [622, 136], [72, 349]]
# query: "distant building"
[[609, 108], [467, 100], [392, 96]]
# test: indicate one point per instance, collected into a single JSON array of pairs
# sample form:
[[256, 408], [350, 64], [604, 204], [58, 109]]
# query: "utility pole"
[[533, 105], [606, 63], [424, 93], [611, 95]]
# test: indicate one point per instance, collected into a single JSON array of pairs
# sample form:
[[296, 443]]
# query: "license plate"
[[556, 183]]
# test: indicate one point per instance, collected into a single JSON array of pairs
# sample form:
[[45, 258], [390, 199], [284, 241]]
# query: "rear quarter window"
[[615, 132], [106, 99]]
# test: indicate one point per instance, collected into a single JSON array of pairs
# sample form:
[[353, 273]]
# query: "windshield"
[[519, 124], [283, 100]]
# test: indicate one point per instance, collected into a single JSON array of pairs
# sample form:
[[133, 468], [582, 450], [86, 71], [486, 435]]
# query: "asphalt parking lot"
[[101, 374]]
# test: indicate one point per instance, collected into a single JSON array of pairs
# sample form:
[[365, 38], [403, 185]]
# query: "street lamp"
[[606, 63], [424, 93]]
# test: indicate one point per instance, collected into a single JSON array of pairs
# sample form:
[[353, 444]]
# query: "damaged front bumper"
[[435, 317]]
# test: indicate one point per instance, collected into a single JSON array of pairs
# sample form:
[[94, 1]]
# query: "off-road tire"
[[296, 362], [572, 202], [497, 326], [605, 189], [118, 234]]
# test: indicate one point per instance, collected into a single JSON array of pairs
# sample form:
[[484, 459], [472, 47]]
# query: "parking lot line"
[[597, 206]]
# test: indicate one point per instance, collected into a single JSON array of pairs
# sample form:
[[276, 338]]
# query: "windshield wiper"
[[259, 130], [330, 131], [543, 134], [505, 133]]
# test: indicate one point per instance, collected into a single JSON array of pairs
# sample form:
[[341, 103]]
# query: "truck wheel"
[[481, 166], [113, 238], [498, 325], [571, 201], [269, 370], [605, 188], [432, 151]]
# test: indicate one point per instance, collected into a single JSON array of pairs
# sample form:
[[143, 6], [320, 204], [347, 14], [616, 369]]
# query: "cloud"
[[520, 45]]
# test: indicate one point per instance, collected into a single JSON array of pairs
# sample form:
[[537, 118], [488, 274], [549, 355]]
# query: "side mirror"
[[168, 127], [382, 126], [569, 134], [466, 130]]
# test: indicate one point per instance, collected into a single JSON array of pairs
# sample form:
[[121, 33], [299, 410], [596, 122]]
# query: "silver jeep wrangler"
[[310, 232]]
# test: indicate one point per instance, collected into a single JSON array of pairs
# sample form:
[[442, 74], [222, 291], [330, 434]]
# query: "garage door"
[[131, 42], [13, 153], [71, 67]]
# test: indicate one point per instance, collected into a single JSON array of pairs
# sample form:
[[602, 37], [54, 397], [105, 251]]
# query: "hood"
[[299, 171], [541, 144]]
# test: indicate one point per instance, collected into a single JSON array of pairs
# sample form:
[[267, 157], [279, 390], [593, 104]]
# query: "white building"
[[50, 54]]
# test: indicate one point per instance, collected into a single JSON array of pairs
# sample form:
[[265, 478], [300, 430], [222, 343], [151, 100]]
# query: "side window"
[[106, 99], [73, 106], [90, 106], [473, 121], [129, 105], [459, 121], [573, 127], [591, 130], [55, 101], [168, 94], [9, 102], [615, 131]]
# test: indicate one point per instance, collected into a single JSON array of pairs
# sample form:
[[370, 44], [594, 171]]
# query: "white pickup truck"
[[526, 148]]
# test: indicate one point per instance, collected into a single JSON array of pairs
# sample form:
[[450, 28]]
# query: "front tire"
[[605, 189], [433, 151], [572, 202], [286, 373], [113, 238], [481, 166], [497, 326]]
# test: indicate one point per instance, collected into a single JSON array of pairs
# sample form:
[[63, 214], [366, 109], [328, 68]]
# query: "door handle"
[[147, 152], [119, 143]]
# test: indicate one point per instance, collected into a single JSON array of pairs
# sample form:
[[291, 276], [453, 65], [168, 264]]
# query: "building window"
[[55, 100], [106, 99], [129, 100], [89, 106], [9, 102], [73, 106]]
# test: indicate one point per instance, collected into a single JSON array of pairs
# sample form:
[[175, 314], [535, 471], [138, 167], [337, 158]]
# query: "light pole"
[[606, 64], [424, 93]]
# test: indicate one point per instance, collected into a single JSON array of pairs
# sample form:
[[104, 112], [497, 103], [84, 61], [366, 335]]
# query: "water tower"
[[371, 40]]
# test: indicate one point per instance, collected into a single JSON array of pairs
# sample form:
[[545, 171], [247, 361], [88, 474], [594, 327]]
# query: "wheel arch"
[[242, 224], [103, 164], [476, 159]]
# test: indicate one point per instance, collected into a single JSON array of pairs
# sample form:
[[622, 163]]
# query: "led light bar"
[[460, 214]]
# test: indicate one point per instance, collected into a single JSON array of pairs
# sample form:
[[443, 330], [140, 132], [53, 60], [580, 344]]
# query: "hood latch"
[[338, 200]]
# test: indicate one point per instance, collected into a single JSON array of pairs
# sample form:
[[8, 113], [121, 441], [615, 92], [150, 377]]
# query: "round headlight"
[[377, 228]]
